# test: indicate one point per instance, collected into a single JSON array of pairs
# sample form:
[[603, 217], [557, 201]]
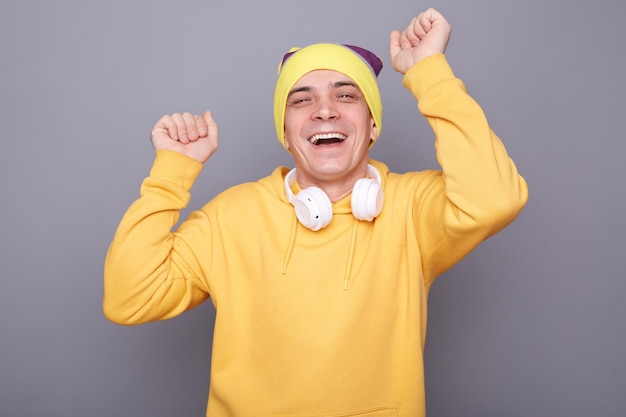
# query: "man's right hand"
[[186, 133]]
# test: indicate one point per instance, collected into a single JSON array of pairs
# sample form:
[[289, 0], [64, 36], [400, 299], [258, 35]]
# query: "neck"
[[335, 189], [336, 193]]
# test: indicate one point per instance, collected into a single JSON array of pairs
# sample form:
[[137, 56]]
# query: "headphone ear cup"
[[367, 199], [313, 208]]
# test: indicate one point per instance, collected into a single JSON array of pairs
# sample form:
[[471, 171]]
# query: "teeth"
[[316, 138]]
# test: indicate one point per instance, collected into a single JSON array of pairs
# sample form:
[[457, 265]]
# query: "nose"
[[326, 109]]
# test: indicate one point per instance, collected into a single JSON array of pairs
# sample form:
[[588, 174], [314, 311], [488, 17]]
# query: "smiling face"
[[328, 129]]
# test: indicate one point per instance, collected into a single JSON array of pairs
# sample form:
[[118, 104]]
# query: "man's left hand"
[[427, 34]]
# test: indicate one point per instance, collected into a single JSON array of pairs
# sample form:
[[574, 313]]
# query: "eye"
[[298, 100], [348, 97], [348, 94]]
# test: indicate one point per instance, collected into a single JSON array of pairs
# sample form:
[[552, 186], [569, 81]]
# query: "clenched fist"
[[186, 133], [427, 34]]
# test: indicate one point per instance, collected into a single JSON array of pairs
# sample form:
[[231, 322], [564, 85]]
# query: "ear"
[[373, 131], [286, 144]]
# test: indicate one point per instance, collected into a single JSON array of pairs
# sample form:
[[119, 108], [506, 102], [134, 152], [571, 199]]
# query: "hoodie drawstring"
[[350, 260], [292, 242]]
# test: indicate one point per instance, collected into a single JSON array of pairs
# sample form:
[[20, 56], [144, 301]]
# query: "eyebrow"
[[337, 84]]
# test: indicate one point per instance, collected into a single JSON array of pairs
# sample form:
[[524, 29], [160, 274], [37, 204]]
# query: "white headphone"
[[314, 209]]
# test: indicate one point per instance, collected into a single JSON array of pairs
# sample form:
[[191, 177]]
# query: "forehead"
[[323, 78]]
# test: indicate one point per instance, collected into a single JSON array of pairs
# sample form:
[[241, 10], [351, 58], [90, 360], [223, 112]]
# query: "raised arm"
[[150, 272], [479, 191]]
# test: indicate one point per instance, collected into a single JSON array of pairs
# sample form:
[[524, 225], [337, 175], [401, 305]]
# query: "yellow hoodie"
[[325, 323]]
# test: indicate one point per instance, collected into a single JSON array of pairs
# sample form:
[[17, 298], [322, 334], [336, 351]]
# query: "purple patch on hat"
[[375, 63], [369, 57]]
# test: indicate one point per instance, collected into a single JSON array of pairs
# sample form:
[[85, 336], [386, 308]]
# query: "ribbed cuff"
[[175, 168], [427, 73]]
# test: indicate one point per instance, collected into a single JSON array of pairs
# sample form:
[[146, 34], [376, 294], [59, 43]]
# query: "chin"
[[332, 168]]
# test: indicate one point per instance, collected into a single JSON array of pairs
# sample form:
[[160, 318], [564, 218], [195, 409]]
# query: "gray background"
[[530, 324]]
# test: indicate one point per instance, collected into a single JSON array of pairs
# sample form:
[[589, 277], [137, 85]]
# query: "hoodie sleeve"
[[151, 273], [480, 190]]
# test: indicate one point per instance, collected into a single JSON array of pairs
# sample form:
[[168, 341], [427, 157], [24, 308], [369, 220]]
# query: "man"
[[319, 275]]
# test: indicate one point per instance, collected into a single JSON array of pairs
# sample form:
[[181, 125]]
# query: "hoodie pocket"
[[372, 412]]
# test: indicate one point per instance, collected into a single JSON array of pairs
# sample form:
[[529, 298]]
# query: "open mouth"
[[327, 138]]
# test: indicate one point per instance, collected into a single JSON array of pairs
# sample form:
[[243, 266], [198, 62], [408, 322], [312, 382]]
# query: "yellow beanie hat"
[[361, 65]]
